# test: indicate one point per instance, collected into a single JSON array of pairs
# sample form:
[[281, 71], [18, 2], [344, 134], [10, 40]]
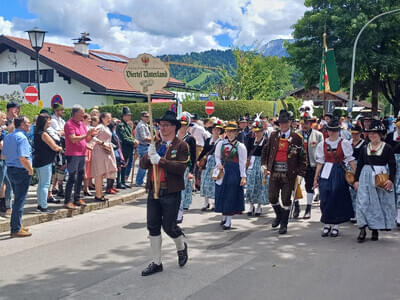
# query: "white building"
[[77, 74]]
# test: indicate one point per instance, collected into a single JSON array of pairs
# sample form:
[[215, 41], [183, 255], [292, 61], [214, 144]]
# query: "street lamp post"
[[353, 63], [36, 37]]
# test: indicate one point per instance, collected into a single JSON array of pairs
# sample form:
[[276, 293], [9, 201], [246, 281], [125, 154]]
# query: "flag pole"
[[325, 47], [156, 183]]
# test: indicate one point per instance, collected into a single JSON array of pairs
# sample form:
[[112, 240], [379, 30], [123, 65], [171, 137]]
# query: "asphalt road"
[[100, 256]]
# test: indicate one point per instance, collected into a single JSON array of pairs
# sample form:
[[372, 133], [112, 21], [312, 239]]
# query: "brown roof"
[[100, 74]]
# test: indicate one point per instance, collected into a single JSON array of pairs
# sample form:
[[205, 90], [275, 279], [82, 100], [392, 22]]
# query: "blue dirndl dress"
[[207, 186], [397, 182], [229, 195], [335, 200], [186, 194], [257, 190]]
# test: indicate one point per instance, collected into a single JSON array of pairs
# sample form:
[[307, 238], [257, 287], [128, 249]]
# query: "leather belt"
[[280, 166]]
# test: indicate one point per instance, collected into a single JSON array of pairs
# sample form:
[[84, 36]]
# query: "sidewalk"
[[32, 217]]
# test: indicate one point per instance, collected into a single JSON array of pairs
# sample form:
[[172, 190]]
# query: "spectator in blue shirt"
[[17, 153]]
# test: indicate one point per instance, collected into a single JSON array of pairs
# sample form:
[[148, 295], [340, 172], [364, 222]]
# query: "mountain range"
[[203, 79]]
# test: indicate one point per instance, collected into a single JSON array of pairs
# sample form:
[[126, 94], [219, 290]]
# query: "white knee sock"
[[180, 215], [259, 208], [335, 227], [223, 218], [206, 202], [155, 243], [251, 207], [228, 221], [310, 197], [179, 243]]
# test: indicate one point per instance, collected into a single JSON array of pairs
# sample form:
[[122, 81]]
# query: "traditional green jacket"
[[124, 133]]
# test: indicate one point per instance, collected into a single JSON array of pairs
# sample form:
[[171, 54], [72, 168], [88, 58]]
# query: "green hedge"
[[29, 110], [226, 110]]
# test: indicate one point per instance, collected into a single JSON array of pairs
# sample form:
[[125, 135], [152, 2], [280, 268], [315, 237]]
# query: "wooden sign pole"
[[156, 184]]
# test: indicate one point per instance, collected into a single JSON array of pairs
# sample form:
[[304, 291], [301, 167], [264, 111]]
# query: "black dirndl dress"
[[335, 200]]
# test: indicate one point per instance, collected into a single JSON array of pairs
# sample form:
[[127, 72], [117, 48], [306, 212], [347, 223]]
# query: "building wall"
[[71, 93]]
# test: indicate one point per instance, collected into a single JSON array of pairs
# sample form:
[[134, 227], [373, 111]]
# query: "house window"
[[3, 77], [46, 76], [15, 77]]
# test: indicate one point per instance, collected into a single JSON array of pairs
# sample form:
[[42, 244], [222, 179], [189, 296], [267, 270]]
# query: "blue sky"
[[154, 26]]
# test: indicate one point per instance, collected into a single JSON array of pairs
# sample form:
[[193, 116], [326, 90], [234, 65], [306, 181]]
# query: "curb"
[[33, 219]]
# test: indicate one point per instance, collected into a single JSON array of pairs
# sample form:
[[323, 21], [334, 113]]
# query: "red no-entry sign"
[[210, 107], [31, 94]]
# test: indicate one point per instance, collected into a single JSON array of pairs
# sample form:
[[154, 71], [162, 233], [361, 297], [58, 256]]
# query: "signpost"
[[31, 94], [147, 74], [209, 108], [173, 107], [56, 99]]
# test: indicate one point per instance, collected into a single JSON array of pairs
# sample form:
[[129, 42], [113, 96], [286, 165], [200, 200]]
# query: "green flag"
[[329, 78]]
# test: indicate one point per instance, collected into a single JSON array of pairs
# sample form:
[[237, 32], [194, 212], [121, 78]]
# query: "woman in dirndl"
[[358, 143], [257, 182], [393, 139], [231, 157], [186, 194], [207, 185], [335, 201], [376, 206]]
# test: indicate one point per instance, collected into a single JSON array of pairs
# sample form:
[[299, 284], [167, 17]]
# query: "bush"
[[226, 110], [29, 110]]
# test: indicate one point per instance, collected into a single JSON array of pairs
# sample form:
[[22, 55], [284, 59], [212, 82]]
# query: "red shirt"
[[79, 129]]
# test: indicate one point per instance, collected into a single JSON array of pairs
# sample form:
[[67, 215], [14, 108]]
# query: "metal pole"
[[354, 55], [38, 73]]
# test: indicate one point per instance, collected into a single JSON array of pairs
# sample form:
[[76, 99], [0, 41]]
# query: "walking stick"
[[135, 156]]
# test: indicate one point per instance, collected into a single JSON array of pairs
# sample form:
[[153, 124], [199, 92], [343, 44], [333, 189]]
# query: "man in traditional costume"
[[171, 156], [283, 158]]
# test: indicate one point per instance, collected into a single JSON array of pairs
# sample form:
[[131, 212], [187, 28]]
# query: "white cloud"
[[160, 26]]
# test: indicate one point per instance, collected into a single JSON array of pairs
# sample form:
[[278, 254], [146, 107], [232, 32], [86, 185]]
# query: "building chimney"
[[82, 46]]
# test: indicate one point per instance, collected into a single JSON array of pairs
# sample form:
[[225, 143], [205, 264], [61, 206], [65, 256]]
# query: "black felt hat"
[[356, 129], [170, 116], [333, 125], [126, 111], [376, 126], [284, 117]]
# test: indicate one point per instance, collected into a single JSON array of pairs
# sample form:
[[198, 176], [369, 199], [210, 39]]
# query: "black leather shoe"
[[126, 185], [284, 221], [183, 256], [334, 232], [361, 237], [205, 207], [120, 186], [326, 231], [222, 223], [152, 269], [307, 213], [52, 200], [226, 227], [375, 235]]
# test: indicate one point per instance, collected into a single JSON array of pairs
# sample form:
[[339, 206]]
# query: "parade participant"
[[257, 182], [184, 135], [13, 110], [393, 139], [142, 135], [331, 155], [17, 154], [230, 158], [375, 201], [327, 118], [358, 143], [127, 142], [206, 162], [171, 155], [244, 130], [311, 139], [283, 158]]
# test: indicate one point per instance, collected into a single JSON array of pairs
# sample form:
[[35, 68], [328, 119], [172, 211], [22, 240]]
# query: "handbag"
[[380, 179], [217, 177], [106, 148]]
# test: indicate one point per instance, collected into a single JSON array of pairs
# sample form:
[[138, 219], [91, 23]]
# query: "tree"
[[377, 62], [261, 78]]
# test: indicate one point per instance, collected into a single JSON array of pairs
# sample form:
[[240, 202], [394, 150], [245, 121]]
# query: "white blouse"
[[346, 146], [242, 152]]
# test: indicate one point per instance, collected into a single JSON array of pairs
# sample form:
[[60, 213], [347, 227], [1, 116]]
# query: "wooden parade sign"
[[147, 74]]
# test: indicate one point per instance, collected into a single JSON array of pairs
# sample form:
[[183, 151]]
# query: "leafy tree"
[[377, 63]]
